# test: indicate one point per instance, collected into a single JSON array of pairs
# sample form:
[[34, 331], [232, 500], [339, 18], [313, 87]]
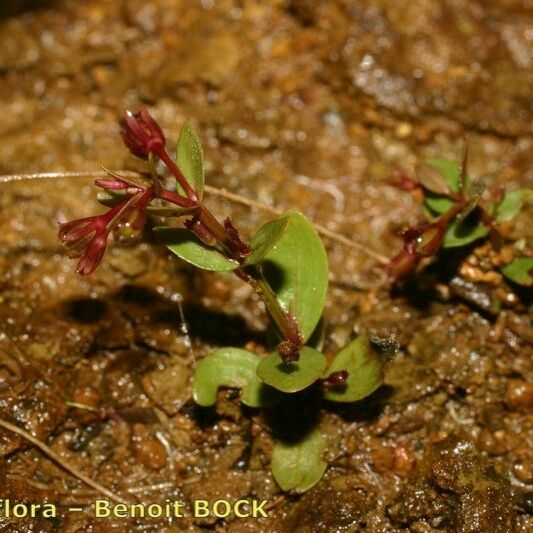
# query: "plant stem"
[[153, 173], [189, 191], [252, 275], [219, 232], [286, 325], [175, 198]]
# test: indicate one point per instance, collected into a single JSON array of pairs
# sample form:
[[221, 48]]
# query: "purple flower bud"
[[86, 238], [112, 184], [142, 134], [93, 255]]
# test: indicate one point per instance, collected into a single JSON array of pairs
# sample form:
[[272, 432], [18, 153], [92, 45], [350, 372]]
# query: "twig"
[[60, 461], [215, 191], [275, 502]]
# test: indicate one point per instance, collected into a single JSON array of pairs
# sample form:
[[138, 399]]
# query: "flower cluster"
[[86, 238]]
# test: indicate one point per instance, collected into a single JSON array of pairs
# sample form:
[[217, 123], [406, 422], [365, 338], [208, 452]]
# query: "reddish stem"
[[189, 191]]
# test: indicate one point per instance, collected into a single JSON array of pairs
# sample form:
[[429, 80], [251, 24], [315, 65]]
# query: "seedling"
[[457, 217], [284, 262]]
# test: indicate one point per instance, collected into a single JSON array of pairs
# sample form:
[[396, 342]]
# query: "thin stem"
[[175, 198], [153, 173], [189, 191], [286, 326], [218, 231]]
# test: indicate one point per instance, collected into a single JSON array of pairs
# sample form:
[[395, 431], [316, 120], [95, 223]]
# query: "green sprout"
[[458, 216]]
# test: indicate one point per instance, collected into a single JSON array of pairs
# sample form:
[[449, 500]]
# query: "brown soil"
[[308, 105]]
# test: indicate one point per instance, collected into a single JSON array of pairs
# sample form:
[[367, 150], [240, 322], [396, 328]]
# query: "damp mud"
[[301, 105]]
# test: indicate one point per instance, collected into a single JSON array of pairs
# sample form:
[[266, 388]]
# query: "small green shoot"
[[461, 218]]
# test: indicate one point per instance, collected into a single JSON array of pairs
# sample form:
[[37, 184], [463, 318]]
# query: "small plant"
[[284, 262], [458, 217]]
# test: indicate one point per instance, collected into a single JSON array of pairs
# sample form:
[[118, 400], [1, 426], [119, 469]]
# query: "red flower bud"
[[112, 184], [93, 255], [142, 134], [87, 237]]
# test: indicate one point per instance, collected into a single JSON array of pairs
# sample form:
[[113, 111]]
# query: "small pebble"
[[150, 452], [518, 395], [523, 471]]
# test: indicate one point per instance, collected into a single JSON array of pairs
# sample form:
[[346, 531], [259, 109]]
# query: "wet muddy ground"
[[300, 104]]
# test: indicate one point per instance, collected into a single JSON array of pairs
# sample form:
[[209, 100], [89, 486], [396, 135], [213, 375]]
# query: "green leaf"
[[431, 179], [450, 171], [233, 368], [297, 269], [190, 159], [111, 198], [299, 465], [294, 376], [365, 371], [188, 247], [520, 270], [266, 238], [512, 203], [438, 204], [463, 233]]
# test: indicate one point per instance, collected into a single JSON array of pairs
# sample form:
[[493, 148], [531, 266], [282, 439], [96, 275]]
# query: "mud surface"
[[300, 104]]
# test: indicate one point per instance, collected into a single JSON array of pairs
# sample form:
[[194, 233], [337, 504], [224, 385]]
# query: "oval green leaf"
[[438, 204], [265, 239], [431, 179], [188, 247], [520, 270], [511, 204], [464, 232], [297, 270], [232, 368], [190, 159], [365, 371], [295, 376], [111, 198], [297, 466], [450, 171]]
